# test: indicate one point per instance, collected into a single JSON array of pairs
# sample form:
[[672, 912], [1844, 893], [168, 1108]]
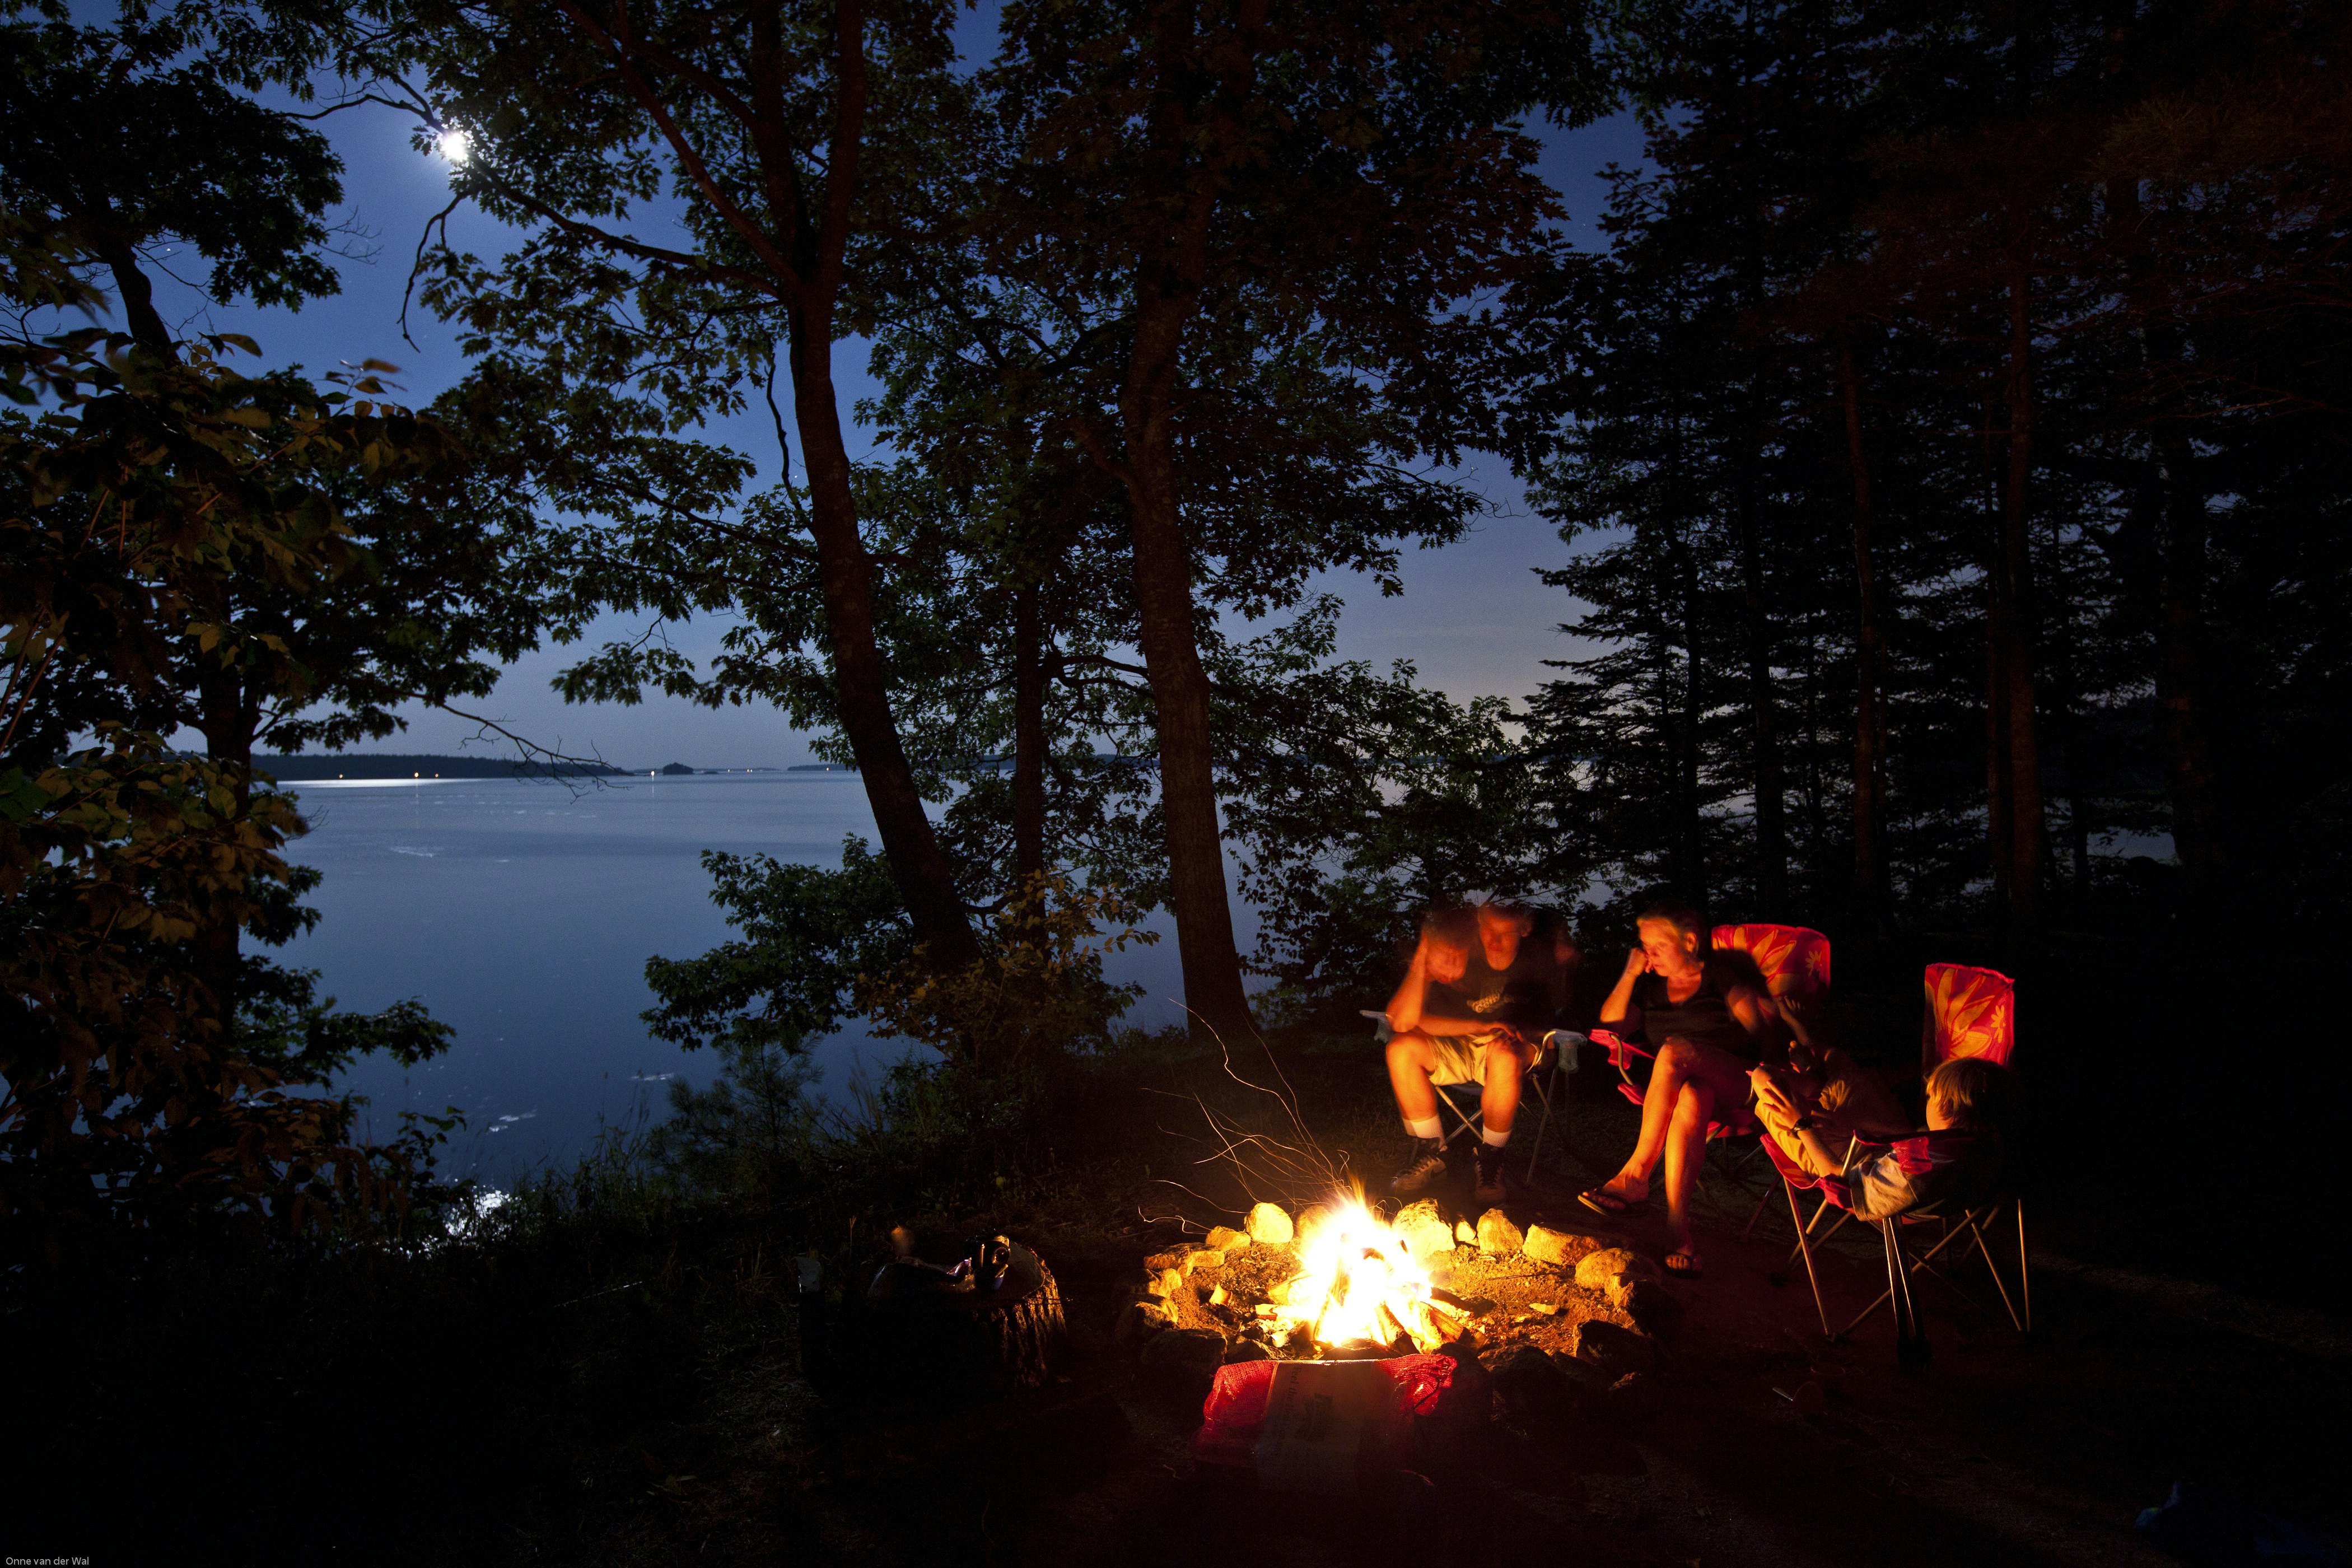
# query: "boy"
[[1972, 1104], [1483, 988]]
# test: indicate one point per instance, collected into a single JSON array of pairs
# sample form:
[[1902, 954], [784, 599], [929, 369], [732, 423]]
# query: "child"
[[1972, 1104], [1838, 1096], [1483, 987]]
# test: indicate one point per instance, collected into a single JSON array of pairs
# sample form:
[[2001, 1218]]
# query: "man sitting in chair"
[[1484, 987]]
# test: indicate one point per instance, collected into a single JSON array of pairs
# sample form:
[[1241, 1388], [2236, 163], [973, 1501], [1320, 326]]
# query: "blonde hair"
[[1979, 1095]]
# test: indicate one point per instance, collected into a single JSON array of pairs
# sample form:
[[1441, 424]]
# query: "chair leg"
[[1921, 1262], [2024, 1272], [1749, 1228], [1835, 1226], [1543, 1082], [1910, 1343], [1806, 1247], [1994, 1269], [1469, 1124]]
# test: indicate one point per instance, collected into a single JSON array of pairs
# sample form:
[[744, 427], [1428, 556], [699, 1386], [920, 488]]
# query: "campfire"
[[1359, 1286], [1341, 1283]]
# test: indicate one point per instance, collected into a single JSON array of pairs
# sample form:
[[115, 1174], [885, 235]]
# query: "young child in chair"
[[1838, 1096], [1972, 1105]]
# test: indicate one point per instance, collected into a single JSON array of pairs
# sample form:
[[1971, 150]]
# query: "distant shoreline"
[[421, 764]]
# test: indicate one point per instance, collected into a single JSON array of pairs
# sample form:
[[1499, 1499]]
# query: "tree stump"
[[920, 1333]]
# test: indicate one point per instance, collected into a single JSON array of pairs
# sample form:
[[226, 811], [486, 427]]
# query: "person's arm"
[[1790, 1016], [1404, 1007], [1621, 997], [1409, 1009], [1753, 1012], [1780, 1101]]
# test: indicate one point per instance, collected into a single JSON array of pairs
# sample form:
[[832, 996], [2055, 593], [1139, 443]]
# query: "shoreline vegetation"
[[444, 765]]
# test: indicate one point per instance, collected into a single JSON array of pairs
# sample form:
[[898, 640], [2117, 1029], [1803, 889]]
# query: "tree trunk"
[[2016, 753], [1692, 873], [2189, 768], [1028, 738], [1163, 565], [918, 865], [2188, 750], [1772, 806], [1870, 664], [228, 720]]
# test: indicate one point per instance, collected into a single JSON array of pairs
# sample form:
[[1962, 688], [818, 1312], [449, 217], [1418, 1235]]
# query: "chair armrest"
[[1620, 1050], [1567, 1047]]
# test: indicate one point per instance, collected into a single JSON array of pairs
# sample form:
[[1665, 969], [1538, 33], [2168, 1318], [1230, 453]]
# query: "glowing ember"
[[1360, 1285]]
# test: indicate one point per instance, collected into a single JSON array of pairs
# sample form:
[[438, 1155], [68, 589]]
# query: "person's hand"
[[1771, 1096], [1443, 961], [1636, 962]]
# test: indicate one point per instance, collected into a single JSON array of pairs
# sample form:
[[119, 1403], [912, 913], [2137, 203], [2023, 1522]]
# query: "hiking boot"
[[1423, 1168], [1489, 1188]]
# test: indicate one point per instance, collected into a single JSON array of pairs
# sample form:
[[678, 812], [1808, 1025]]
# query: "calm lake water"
[[522, 915]]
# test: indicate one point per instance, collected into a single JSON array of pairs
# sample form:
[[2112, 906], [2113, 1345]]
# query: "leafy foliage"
[[150, 1062]]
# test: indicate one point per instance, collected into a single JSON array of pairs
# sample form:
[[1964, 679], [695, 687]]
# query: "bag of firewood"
[[1324, 1427]]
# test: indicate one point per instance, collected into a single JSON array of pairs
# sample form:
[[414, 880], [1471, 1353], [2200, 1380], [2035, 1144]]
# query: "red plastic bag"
[[1319, 1426]]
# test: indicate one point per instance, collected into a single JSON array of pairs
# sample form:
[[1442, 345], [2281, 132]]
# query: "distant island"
[[407, 765]]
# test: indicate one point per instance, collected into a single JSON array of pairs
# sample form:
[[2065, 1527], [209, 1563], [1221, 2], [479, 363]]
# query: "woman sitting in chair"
[[1709, 1026]]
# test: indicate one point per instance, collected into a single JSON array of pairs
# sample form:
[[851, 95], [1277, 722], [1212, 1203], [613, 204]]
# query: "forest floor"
[[619, 1384], [2004, 1448]]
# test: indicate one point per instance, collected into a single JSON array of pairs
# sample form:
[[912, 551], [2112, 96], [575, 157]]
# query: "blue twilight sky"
[[1474, 617]]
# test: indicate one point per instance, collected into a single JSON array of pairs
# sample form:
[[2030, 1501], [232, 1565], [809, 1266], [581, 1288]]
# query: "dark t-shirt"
[[1705, 1019], [1527, 995]]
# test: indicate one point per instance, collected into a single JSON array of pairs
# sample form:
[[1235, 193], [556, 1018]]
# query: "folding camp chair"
[[1556, 1055], [1970, 1012], [1795, 963]]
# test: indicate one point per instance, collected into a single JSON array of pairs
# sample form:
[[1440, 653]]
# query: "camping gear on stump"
[[987, 1323]]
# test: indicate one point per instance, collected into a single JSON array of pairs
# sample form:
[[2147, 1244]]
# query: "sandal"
[[1683, 1263], [1602, 1201]]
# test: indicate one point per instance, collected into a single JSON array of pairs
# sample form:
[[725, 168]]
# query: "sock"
[[1427, 1129], [1492, 1139]]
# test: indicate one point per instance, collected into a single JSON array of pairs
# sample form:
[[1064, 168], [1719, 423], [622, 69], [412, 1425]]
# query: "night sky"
[[1473, 618]]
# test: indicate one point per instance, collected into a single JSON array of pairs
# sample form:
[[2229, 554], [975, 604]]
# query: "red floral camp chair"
[[1795, 963], [1970, 1013]]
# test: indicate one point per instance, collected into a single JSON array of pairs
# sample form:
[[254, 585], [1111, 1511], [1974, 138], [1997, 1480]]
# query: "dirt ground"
[[2005, 1448]]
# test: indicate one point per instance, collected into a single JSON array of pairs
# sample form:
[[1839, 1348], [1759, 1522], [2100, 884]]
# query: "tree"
[[2019, 297], [151, 1066], [700, 187], [1213, 199]]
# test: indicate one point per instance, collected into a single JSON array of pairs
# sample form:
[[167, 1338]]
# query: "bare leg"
[[1498, 1101], [1686, 1153], [1410, 1064], [1675, 1062]]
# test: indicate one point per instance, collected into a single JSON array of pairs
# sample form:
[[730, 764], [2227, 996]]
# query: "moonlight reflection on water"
[[522, 915]]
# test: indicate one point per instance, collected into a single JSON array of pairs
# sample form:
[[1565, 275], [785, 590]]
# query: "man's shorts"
[[1460, 1058]]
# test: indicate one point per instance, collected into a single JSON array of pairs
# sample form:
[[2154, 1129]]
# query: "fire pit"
[[1341, 1282]]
